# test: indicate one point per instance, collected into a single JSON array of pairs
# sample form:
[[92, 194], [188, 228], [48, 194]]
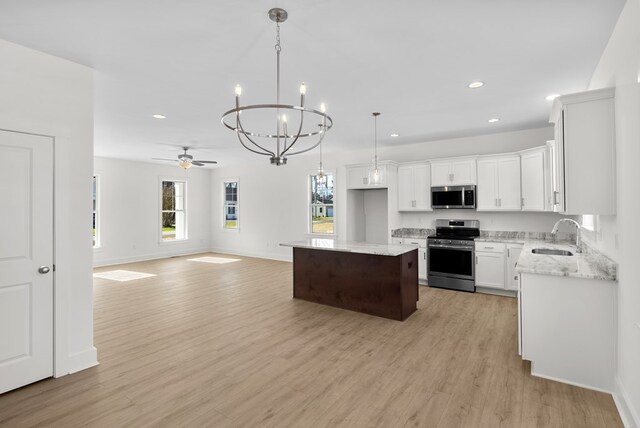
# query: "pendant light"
[[374, 173]]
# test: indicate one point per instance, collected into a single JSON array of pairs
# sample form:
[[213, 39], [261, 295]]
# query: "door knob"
[[44, 269]]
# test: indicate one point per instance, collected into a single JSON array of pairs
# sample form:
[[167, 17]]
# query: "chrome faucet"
[[554, 231]]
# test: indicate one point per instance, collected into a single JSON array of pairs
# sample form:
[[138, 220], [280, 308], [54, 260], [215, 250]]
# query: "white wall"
[[273, 200], [619, 235], [129, 194], [46, 95]]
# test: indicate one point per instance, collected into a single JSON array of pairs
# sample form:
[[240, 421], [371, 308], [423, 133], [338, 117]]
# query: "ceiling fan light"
[[185, 163]]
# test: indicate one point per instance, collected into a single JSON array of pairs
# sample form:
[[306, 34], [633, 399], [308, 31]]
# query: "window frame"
[[96, 211], [223, 222], [309, 209], [185, 210]]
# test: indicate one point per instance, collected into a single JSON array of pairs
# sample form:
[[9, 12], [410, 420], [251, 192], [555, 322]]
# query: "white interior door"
[[26, 245]]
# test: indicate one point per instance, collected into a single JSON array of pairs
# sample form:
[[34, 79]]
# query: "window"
[[321, 210], [230, 209], [589, 222], [96, 213], [174, 215]]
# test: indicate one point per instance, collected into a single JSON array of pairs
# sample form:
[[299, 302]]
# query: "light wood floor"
[[226, 345]]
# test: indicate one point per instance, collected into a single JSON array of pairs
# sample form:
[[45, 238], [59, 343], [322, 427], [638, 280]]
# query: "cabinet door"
[[422, 263], [406, 199], [487, 192], [490, 270], [440, 173], [509, 184], [533, 182], [422, 187], [513, 254], [358, 177], [464, 172]]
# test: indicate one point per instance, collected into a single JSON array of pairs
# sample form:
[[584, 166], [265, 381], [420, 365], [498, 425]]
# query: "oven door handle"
[[450, 247]]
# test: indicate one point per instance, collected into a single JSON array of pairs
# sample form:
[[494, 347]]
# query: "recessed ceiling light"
[[395, 135], [551, 97], [493, 120], [159, 116], [475, 85]]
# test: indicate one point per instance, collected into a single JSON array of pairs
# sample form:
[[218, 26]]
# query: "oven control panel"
[[451, 242]]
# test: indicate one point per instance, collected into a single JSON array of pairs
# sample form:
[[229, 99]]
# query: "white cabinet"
[[414, 188], [490, 265], [513, 254], [422, 253], [585, 153], [453, 172], [535, 179], [499, 184], [568, 329], [359, 177]]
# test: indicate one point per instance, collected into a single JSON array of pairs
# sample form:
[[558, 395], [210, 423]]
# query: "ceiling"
[[411, 60]]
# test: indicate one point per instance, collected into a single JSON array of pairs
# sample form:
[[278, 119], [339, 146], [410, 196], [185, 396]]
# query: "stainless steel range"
[[451, 255]]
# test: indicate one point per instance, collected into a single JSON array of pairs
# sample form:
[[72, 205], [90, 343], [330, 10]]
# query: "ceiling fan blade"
[[170, 160], [197, 163], [205, 161]]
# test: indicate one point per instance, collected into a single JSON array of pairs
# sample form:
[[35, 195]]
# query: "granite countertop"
[[589, 264], [351, 247]]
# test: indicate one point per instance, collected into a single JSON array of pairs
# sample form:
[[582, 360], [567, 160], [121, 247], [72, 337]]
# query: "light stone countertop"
[[351, 247], [589, 264]]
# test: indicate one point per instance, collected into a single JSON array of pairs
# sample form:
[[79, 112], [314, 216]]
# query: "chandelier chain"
[[278, 47]]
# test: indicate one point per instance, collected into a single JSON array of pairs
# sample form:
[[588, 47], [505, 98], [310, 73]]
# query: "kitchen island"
[[375, 279]]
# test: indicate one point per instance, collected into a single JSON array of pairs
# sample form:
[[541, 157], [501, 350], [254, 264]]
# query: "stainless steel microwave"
[[453, 197]]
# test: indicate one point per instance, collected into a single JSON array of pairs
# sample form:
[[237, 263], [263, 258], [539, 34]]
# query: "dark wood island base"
[[380, 285]]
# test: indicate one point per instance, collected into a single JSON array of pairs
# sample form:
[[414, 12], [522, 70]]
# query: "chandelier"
[[281, 142]]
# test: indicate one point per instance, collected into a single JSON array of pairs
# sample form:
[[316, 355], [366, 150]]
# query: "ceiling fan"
[[186, 161]]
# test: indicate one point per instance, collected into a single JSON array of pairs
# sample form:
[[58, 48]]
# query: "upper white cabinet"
[[453, 172], [499, 184], [359, 176], [536, 179], [414, 188], [585, 153]]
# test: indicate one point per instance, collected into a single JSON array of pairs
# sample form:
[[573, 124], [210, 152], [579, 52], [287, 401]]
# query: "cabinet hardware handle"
[[555, 197], [508, 252], [523, 202], [476, 259], [489, 248], [496, 202], [499, 202], [515, 277]]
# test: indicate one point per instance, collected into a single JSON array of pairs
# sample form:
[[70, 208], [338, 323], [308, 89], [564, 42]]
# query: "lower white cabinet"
[[513, 254], [495, 265], [422, 253], [568, 329], [490, 264]]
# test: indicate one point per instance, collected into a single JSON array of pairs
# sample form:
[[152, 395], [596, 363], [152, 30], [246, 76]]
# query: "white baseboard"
[[83, 360], [496, 291], [629, 415], [145, 257], [568, 382], [257, 254]]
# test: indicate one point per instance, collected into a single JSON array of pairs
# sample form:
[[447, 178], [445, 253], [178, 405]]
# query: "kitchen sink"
[[551, 252]]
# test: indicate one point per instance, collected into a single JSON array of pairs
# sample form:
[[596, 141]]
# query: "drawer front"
[[420, 242], [491, 247]]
